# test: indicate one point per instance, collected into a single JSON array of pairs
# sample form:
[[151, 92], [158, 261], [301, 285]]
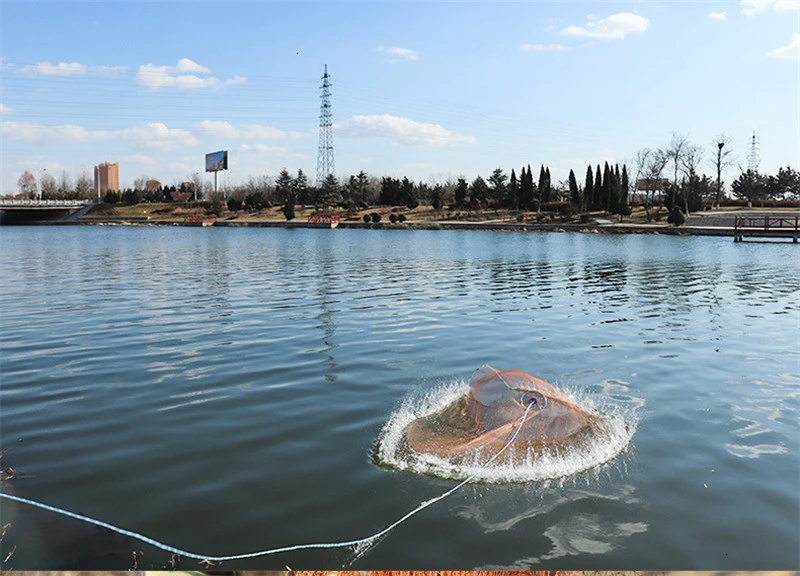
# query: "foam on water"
[[392, 450]]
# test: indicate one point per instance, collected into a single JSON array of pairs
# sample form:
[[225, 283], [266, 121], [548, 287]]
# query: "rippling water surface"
[[221, 390]]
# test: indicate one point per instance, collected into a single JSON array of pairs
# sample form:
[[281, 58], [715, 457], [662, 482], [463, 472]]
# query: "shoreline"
[[707, 223], [588, 228]]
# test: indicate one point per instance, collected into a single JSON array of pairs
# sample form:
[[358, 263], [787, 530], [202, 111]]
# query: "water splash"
[[618, 424]]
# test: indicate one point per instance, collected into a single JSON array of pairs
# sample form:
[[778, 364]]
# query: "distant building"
[[106, 177], [152, 186]]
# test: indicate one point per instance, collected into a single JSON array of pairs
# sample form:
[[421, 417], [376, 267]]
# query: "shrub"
[[288, 209], [676, 217], [376, 217], [217, 207], [393, 218], [367, 218], [256, 201], [234, 204], [401, 218]]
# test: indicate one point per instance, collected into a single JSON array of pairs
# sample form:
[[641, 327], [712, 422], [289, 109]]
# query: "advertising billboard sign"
[[217, 161]]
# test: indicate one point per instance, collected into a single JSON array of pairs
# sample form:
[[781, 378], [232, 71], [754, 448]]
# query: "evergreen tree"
[[497, 182], [542, 193], [461, 193], [288, 207], [574, 197], [283, 186], [437, 197], [407, 197], [478, 190], [390, 192], [548, 185], [300, 188], [512, 200], [528, 200], [597, 193], [328, 192], [613, 197], [750, 185], [608, 175], [625, 208], [588, 189]]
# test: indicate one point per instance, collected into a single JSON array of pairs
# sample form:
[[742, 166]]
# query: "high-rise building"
[[106, 177]]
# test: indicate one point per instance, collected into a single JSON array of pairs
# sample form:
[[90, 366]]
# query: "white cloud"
[[277, 152], [400, 131], [543, 48], [753, 7], [29, 133], [5, 110], [185, 74], [154, 135], [108, 69], [218, 129], [68, 69], [615, 27], [719, 16], [398, 53], [60, 69], [157, 136], [790, 52]]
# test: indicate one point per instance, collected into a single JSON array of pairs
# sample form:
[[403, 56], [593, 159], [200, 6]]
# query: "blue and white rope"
[[349, 543]]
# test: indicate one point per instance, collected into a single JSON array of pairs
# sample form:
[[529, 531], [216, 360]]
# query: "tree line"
[[670, 176]]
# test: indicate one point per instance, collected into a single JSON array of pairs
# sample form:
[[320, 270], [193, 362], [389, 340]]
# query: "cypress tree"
[[623, 192], [541, 189], [597, 193], [513, 192], [614, 204], [526, 189], [608, 176], [548, 185], [588, 189], [574, 198], [461, 193]]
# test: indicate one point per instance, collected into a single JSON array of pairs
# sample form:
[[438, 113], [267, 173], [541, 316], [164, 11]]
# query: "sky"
[[432, 90]]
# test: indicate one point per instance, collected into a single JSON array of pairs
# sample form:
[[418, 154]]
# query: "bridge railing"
[[14, 202], [767, 223]]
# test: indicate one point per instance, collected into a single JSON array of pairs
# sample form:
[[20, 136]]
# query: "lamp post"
[[720, 145]]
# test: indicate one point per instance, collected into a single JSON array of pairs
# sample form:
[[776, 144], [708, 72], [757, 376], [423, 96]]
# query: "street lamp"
[[719, 170]]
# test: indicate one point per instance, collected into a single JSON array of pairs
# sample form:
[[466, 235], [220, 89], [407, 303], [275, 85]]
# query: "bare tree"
[[197, 184], [690, 161], [64, 185], [723, 159], [84, 187], [48, 186], [27, 185], [675, 153], [650, 165], [140, 183]]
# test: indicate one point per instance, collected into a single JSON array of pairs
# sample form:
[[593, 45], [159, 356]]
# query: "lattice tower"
[[752, 155], [325, 152]]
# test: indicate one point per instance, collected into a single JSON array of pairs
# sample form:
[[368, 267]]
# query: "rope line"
[[344, 544]]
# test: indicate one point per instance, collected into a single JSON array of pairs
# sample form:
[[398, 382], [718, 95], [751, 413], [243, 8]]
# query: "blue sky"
[[421, 89]]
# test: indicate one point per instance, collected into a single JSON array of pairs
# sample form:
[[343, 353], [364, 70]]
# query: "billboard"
[[217, 161]]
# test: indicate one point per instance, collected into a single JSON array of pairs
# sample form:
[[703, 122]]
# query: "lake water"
[[223, 390]]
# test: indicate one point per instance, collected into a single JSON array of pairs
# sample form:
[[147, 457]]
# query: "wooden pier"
[[766, 227]]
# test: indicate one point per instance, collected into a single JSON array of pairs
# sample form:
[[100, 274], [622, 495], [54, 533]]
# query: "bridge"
[[766, 227], [14, 211]]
